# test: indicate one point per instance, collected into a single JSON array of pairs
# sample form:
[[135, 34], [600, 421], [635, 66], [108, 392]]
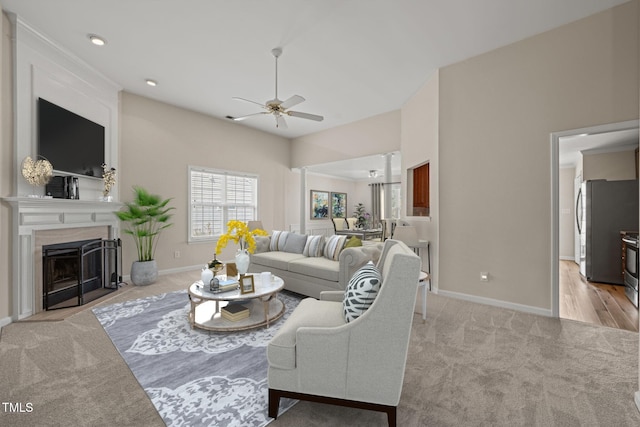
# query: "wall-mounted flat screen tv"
[[72, 143]]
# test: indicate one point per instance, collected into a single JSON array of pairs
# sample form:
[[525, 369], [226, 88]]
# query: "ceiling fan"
[[278, 108]]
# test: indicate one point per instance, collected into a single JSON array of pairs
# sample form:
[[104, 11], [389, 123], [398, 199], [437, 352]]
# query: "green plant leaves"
[[145, 217]]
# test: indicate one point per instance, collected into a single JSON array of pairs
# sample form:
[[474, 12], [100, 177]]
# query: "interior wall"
[[328, 184], [373, 135], [567, 219], [497, 112], [419, 144], [7, 171], [613, 166], [44, 70], [158, 143]]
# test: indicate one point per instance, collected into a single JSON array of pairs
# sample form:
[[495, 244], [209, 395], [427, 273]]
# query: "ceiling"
[[350, 59], [570, 147]]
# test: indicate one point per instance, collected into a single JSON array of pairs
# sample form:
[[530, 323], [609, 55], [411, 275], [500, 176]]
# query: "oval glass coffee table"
[[263, 304]]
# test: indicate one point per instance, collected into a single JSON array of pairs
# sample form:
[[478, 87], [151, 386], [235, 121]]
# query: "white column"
[[303, 204], [388, 179]]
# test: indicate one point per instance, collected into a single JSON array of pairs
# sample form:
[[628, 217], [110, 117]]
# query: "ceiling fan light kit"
[[279, 108]]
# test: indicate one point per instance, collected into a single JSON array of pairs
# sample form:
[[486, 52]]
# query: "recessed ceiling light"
[[97, 40], [152, 83]]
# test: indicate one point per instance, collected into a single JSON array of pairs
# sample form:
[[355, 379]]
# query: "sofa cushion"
[[319, 267], [262, 243], [295, 243], [361, 292], [352, 242], [278, 240], [333, 246], [314, 246], [281, 351], [276, 259]]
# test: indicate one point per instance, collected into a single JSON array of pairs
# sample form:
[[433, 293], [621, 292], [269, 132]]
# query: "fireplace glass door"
[[76, 273]]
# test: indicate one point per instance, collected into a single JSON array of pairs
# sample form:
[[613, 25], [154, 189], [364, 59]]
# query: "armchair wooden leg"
[[391, 416], [274, 403], [275, 395]]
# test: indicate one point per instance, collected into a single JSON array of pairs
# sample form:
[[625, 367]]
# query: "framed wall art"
[[338, 205], [319, 204]]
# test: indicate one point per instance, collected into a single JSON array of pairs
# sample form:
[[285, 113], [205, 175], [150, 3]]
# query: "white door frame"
[[555, 199]]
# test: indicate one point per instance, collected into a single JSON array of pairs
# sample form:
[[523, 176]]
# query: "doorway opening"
[[606, 152]]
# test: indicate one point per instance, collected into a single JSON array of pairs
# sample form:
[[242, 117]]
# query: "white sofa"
[[309, 275]]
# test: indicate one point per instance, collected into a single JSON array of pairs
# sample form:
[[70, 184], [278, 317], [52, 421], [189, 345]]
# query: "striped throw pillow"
[[361, 291], [333, 247], [278, 240], [314, 246]]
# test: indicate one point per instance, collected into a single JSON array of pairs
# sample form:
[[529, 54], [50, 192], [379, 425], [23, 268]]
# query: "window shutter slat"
[[217, 197]]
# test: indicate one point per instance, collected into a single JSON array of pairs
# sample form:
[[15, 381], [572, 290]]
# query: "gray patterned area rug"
[[194, 377]]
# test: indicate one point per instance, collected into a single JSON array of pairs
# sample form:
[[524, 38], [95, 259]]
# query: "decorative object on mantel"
[[109, 178], [239, 232], [36, 173], [145, 217]]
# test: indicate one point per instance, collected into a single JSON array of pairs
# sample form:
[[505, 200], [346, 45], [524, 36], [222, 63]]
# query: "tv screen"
[[70, 142]]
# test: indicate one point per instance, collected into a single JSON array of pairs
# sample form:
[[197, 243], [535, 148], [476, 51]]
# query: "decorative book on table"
[[234, 312], [228, 285]]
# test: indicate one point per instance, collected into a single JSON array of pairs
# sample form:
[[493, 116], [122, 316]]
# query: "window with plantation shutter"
[[217, 197]]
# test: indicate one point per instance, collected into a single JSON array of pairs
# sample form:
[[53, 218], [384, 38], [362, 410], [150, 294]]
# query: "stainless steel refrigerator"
[[603, 209]]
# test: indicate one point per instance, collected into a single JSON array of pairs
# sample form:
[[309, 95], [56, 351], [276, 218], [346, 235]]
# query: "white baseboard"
[[198, 267], [127, 277], [568, 258], [497, 303], [5, 321], [637, 399]]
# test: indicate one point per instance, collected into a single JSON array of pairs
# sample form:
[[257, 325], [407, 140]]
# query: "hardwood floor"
[[595, 303]]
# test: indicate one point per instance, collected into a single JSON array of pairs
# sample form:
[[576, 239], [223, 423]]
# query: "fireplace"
[[39, 222], [75, 273]]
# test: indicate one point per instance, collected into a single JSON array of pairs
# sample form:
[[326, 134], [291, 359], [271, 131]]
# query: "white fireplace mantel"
[[31, 215]]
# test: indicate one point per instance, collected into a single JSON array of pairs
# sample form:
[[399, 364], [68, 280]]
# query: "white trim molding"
[[496, 303], [36, 214]]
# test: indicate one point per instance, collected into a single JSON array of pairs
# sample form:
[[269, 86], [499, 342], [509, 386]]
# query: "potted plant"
[[361, 216], [145, 217]]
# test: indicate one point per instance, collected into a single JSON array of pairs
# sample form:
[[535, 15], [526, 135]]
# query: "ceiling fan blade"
[[237, 119], [280, 122], [294, 100], [305, 116], [248, 100]]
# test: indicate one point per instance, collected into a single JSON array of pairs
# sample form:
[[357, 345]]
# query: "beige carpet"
[[469, 364]]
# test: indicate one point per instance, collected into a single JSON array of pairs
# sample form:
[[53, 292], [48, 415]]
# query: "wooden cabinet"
[[421, 190]]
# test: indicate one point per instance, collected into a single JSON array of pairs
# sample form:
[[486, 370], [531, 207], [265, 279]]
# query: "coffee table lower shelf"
[[205, 315]]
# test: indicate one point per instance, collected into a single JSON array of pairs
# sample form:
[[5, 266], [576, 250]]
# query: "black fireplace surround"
[[75, 273]]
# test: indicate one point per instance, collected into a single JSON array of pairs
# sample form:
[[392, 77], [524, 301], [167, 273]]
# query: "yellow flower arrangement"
[[238, 231]]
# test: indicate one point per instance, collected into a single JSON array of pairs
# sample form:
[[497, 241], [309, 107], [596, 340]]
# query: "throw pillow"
[[314, 246], [278, 239], [295, 243], [333, 246], [361, 291], [353, 242]]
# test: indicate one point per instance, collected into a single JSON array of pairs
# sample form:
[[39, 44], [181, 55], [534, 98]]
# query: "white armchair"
[[316, 355]]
